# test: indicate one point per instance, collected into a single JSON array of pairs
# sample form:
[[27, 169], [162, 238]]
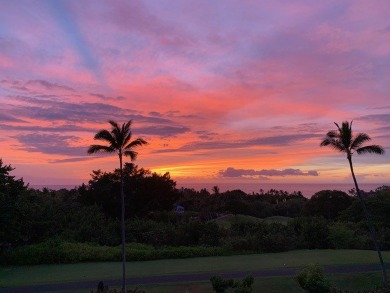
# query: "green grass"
[[353, 282], [277, 284], [43, 274]]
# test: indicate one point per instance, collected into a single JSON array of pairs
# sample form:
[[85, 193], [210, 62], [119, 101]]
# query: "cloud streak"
[[276, 141], [51, 144], [234, 173], [256, 81]]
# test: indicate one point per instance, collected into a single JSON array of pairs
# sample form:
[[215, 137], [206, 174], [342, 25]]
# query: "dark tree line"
[[90, 213]]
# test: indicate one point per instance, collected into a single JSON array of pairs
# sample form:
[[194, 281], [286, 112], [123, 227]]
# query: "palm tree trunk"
[[123, 229], [370, 225]]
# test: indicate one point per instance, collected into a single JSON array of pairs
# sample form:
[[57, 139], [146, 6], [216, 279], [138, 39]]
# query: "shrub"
[[220, 285], [314, 231], [245, 286], [55, 251], [89, 224], [277, 238], [313, 280], [341, 236]]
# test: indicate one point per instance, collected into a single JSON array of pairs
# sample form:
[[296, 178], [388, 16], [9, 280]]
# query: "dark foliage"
[[145, 192], [328, 204], [220, 285]]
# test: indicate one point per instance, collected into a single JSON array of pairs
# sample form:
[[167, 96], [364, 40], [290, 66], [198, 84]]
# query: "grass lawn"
[[278, 284], [353, 282], [44, 274]]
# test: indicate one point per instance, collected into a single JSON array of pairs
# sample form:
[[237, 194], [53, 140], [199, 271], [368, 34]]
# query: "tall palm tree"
[[344, 141], [119, 141]]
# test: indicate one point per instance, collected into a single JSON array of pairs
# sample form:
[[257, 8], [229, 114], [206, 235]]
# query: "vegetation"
[[82, 224], [63, 273], [313, 280], [220, 285], [344, 141], [119, 141]]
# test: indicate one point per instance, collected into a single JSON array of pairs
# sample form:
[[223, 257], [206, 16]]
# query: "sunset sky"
[[223, 91]]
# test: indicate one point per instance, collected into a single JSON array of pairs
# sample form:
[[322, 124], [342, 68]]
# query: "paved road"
[[186, 278]]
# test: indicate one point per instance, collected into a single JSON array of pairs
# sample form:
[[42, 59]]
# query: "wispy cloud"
[[51, 144], [232, 172], [376, 118], [256, 81], [36, 128], [8, 118], [70, 28], [47, 85], [276, 141], [58, 110]]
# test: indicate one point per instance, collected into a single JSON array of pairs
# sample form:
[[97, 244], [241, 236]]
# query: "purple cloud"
[[50, 144], [269, 141], [58, 110], [36, 128], [8, 118], [376, 118], [47, 85], [232, 172], [162, 131]]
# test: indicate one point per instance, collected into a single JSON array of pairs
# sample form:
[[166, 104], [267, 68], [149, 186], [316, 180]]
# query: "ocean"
[[307, 189]]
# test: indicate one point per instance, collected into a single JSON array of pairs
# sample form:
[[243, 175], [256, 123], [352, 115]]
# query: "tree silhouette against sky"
[[119, 141], [344, 141]]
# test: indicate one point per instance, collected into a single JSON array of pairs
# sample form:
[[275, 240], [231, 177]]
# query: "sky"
[[223, 91]]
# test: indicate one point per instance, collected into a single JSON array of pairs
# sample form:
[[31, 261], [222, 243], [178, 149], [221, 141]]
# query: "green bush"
[[342, 236], [261, 237], [312, 280], [313, 231], [220, 285], [89, 224], [55, 251], [245, 286]]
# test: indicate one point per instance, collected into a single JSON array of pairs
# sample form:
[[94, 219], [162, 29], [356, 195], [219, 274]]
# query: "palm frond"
[[114, 124], [326, 142], [130, 153], [338, 146], [346, 134], [333, 134], [127, 138], [359, 139], [344, 141], [100, 148], [115, 131], [374, 149], [126, 126], [119, 140], [105, 136], [333, 143], [135, 143], [338, 127]]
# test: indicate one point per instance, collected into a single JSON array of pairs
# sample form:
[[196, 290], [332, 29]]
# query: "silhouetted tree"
[[119, 141], [328, 203], [344, 141]]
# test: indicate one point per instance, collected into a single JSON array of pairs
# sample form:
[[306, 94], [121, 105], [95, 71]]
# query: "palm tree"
[[119, 141], [344, 141]]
